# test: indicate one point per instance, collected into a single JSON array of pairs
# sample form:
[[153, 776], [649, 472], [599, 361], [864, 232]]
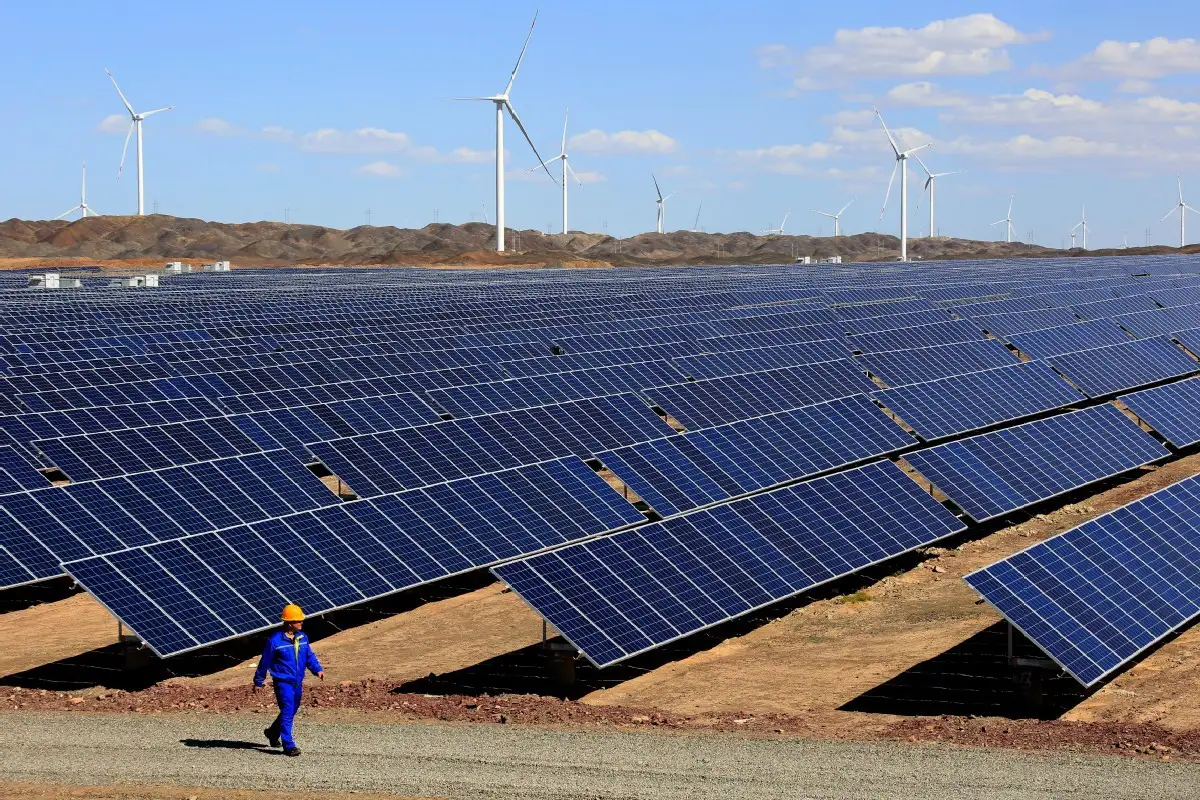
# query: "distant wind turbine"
[[135, 123], [566, 169], [83, 207], [902, 165], [837, 227], [1182, 208], [779, 231], [930, 183], [1082, 227], [503, 104], [662, 204], [1007, 221], [696, 224]]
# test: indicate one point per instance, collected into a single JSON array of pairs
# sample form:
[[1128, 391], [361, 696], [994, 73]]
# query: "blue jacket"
[[286, 659]]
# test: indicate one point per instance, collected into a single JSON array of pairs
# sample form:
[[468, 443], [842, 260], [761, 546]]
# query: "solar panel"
[[1172, 410], [917, 336], [711, 402], [1099, 595], [995, 473], [1068, 338], [196, 591], [979, 399], [1105, 370], [900, 367], [623, 594], [750, 341], [737, 362], [1164, 320], [895, 321], [683, 472], [17, 474], [1005, 325]]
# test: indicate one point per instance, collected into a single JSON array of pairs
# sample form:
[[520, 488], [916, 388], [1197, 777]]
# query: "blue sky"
[[753, 109]]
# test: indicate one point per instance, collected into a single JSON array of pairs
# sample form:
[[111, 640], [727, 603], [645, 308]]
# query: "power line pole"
[[368, 217], [287, 215], [435, 216]]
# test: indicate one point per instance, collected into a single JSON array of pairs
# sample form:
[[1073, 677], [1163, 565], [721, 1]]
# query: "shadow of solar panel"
[[1105, 370], [737, 362], [1172, 410], [996, 473], [979, 399], [1099, 595], [1069, 338], [901, 367], [616, 596], [684, 472], [199, 590], [718, 400]]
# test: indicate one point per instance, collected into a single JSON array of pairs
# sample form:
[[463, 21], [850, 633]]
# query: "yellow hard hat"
[[292, 613]]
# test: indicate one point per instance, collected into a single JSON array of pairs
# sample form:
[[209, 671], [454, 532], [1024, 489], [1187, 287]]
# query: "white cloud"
[[784, 159], [591, 176], [1032, 107], [215, 126], [970, 45], [1154, 58], [267, 167], [923, 94], [114, 123], [1026, 147], [599, 142], [1135, 86], [381, 169], [363, 140], [465, 155]]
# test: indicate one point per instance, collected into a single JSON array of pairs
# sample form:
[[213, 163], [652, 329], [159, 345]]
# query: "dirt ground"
[[41, 791], [912, 654]]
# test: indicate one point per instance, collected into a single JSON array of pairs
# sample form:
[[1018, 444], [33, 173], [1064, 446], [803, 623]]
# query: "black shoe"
[[274, 740], [291, 752]]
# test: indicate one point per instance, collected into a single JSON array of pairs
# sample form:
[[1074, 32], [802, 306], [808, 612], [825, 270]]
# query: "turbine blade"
[[472, 98], [660, 197], [563, 149], [922, 163], [72, 211], [891, 180], [1165, 216], [822, 213], [1002, 221], [156, 111], [539, 166], [843, 211], [886, 132], [125, 150], [1179, 180], [571, 172], [521, 57], [915, 149], [512, 113], [128, 107]]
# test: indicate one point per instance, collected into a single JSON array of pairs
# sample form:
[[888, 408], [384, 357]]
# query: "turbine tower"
[[1082, 227], [566, 169], [837, 226], [503, 104], [662, 204], [135, 123], [1007, 221], [929, 186], [1182, 208], [902, 165], [83, 207]]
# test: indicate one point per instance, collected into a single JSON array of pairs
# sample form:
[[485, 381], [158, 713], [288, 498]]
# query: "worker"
[[286, 656]]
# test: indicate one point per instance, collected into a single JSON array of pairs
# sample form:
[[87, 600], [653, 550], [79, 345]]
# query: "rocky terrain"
[[157, 237]]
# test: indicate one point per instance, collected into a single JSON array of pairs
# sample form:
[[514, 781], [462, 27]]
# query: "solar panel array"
[[185, 428]]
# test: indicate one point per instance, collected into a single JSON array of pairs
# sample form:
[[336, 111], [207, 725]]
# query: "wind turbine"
[[83, 207], [1182, 208], [502, 104], [902, 165], [929, 186], [566, 168], [1081, 226], [135, 123], [837, 227], [779, 231], [662, 204], [696, 224], [1007, 221]]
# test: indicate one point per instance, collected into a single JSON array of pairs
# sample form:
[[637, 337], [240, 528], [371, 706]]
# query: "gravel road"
[[481, 761]]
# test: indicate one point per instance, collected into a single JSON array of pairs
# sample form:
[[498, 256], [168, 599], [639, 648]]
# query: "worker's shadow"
[[226, 744]]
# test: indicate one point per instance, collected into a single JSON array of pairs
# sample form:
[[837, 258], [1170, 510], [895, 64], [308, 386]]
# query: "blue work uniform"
[[286, 659]]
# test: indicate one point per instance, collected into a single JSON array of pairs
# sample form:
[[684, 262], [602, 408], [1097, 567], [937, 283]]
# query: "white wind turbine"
[[902, 165], [779, 231], [83, 207], [930, 183], [662, 204], [1182, 208], [696, 224], [566, 169], [837, 226], [502, 104], [135, 123], [1082, 227], [1007, 221]]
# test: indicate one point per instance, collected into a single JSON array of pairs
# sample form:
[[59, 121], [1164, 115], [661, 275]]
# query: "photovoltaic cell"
[[1069, 338], [1172, 410], [1105, 370], [901, 367]]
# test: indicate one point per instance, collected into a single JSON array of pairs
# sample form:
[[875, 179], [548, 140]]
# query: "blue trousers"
[[287, 697]]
